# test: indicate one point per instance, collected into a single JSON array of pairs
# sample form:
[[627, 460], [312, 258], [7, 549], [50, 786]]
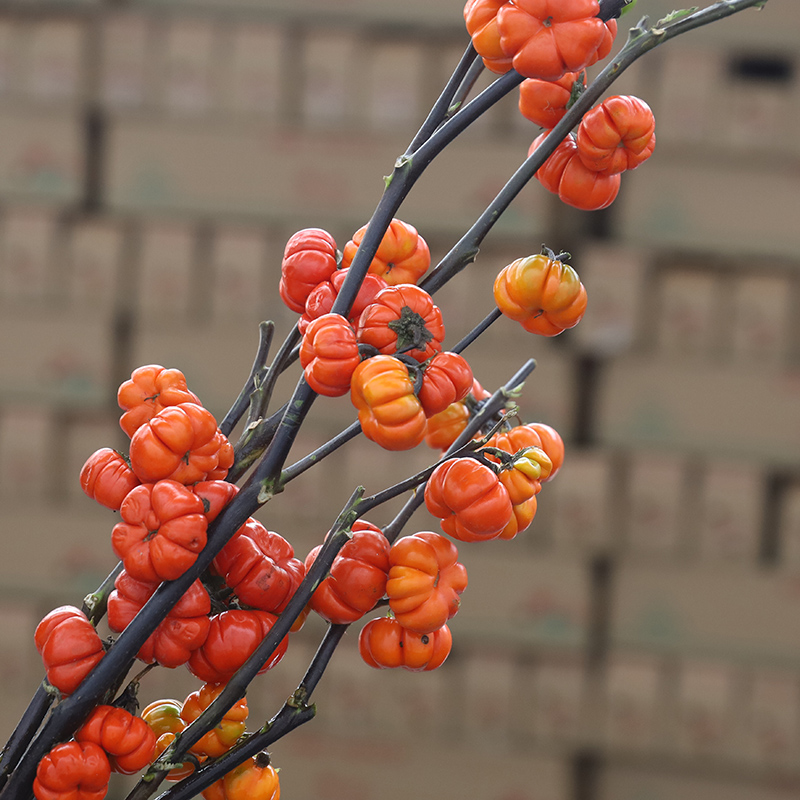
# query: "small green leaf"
[[628, 7], [674, 16]]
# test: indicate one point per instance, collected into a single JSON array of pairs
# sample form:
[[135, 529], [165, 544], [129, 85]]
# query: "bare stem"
[[266, 331], [479, 329], [446, 99], [258, 430], [94, 604], [314, 457], [475, 70], [262, 391]]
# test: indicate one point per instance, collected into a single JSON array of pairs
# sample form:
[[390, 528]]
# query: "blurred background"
[[641, 641]]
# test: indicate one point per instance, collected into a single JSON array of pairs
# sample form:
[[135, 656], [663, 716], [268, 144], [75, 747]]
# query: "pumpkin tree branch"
[[261, 486], [641, 40], [236, 686], [294, 713], [291, 716], [263, 483]]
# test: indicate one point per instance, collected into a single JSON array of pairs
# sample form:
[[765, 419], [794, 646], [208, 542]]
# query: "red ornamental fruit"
[[164, 717], [329, 355], [425, 581], [564, 174], [469, 499], [545, 102], [521, 517], [542, 293], [178, 635], [402, 256], [73, 771], [402, 319], [547, 38], [233, 637], [617, 135], [447, 379], [321, 300], [69, 645], [607, 43], [480, 17], [446, 426], [308, 260], [385, 644], [226, 732], [107, 477], [151, 389], [390, 413], [180, 443], [254, 779], [214, 495], [128, 740], [162, 531], [260, 567], [523, 481], [357, 578]]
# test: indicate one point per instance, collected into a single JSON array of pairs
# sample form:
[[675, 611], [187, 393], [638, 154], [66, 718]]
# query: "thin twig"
[[475, 71], [94, 604], [479, 329], [262, 393], [314, 457], [266, 331], [446, 99]]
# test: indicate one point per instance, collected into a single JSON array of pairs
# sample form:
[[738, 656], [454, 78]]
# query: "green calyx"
[[411, 331]]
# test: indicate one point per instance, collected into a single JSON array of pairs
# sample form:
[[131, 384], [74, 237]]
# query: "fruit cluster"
[[170, 486], [551, 43], [388, 353]]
